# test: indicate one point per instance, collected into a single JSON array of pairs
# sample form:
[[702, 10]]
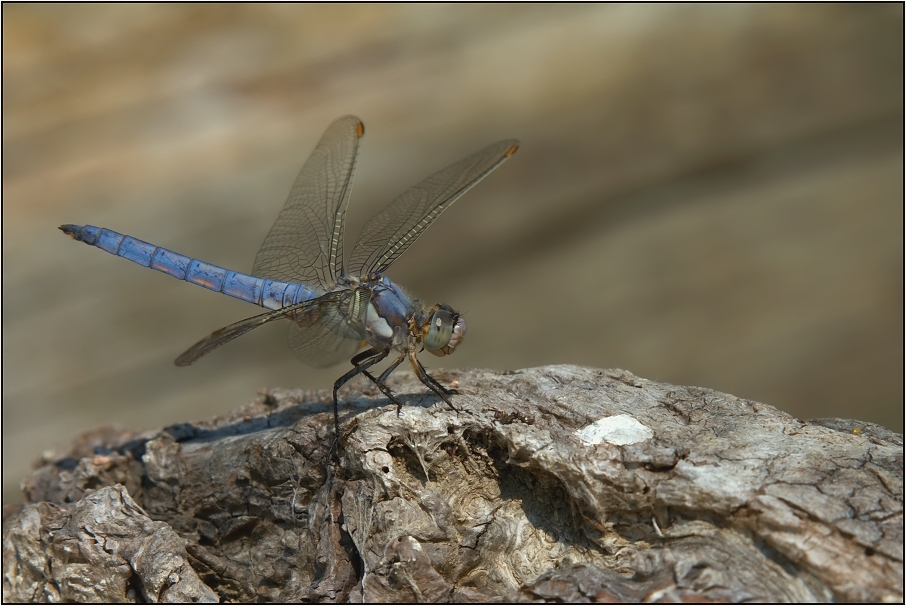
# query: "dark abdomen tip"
[[74, 231]]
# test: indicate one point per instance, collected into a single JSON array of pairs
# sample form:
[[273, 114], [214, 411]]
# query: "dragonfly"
[[338, 309]]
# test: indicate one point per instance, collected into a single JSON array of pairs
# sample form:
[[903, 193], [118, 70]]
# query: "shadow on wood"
[[558, 483]]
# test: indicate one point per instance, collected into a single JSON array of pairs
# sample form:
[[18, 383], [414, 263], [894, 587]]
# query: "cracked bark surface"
[[668, 493]]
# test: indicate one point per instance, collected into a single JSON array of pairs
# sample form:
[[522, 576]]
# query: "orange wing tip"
[[510, 151], [360, 129]]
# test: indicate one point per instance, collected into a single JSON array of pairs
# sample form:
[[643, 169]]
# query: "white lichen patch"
[[618, 429]]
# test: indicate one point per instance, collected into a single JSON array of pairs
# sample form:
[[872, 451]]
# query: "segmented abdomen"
[[269, 294]]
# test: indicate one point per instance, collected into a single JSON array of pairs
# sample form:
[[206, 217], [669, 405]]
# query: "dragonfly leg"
[[391, 368], [383, 387], [429, 382], [384, 390], [447, 392], [361, 362]]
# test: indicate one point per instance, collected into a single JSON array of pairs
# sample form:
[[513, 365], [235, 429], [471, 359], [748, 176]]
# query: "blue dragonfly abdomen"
[[270, 294]]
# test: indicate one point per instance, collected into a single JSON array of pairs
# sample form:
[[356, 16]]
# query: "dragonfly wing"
[[320, 348], [332, 331], [228, 333], [390, 232], [305, 244]]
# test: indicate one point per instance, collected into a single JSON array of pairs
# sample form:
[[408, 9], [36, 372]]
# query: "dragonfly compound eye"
[[440, 329], [445, 330]]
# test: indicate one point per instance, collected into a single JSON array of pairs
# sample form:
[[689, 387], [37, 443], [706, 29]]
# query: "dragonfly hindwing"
[[331, 332]]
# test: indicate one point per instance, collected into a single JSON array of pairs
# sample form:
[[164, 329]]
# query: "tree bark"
[[558, 483]]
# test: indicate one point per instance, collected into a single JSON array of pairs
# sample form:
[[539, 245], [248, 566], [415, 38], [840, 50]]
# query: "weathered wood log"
[[558, 483]]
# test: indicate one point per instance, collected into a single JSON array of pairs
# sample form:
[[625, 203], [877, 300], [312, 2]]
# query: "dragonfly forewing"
[[305, 243]]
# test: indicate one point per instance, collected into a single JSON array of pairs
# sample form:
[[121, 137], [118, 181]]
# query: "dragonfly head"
[[443, 331]]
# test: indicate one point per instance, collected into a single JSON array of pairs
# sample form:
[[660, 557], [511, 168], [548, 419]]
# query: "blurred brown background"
[[707, 195]]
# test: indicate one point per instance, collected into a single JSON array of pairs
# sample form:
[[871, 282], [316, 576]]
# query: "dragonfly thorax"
[[394, 321], [388, 314]]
